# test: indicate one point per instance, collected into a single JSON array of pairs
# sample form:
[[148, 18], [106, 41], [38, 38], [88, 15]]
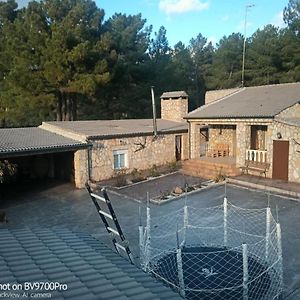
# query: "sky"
[[185, 19]]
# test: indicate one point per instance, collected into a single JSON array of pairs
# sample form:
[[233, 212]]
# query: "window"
[[120, 159]]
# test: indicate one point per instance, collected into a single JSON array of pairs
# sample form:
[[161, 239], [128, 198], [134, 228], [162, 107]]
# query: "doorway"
[[178, 147], [280, 160], [258, 137]]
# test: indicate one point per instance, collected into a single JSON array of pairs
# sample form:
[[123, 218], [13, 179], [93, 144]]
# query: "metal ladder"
[[116, 234]]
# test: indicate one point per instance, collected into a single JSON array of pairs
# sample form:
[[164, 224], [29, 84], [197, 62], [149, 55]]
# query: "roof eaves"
[[134, 134], [231, 117], [44, 150]]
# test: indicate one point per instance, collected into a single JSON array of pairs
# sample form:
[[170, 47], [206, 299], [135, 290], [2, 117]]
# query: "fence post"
[[148, 236], [279, 248], [245, 272], [180, 272], [225, 221], [268, 228]]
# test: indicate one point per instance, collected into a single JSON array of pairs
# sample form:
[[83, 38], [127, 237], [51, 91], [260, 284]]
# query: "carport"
[[40, 155]]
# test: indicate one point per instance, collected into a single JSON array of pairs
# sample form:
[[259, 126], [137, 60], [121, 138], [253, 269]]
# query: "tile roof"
[[251, 102], [89, 268], [34, 140], [175, 94], [116, 128]]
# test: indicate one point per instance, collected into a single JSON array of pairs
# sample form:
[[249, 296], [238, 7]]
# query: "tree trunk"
[[2, 123], [64, 106], [68, 107], [74, 108], [59, 107]]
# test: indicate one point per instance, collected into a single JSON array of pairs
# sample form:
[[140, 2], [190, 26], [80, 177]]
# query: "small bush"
[[153, 171], [136, 176], [8, 171], [172, 166], [120, 176]]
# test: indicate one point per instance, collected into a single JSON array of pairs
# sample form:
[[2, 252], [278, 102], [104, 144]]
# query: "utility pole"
[[244, 47]]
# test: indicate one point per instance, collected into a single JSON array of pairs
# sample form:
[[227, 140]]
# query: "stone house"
[[125, 145], [260, 124]]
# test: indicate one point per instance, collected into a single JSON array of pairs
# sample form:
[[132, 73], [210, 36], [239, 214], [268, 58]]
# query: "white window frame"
[[118, 153]]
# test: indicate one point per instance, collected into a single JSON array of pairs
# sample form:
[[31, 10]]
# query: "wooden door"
[[280, 160], [178, 146]]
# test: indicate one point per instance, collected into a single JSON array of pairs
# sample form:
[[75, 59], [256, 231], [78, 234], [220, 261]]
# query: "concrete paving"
[[64, 206]]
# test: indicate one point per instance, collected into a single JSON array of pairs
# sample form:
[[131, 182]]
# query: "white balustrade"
[[256, 155]]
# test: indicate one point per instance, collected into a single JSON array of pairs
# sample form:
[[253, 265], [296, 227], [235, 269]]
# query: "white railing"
[[256, 155]]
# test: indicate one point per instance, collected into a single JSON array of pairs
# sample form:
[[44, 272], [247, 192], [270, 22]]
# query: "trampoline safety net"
[[221, 252]]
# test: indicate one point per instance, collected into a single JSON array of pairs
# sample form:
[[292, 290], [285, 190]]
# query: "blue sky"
[[185, 19]]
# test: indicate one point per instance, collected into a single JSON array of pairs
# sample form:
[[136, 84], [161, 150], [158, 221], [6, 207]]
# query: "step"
[[207, 169]]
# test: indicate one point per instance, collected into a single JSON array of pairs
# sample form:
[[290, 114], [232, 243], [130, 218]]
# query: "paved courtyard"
[[64, 206]]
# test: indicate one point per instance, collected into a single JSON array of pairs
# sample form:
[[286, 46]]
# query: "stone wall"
[[223, 134], [174, 109], [81, 168], [211, 96], [194, 136], [291, 112], [63, 132], [142, 153]]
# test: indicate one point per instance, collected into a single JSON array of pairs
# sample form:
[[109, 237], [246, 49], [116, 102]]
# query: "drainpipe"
[[154, 112]]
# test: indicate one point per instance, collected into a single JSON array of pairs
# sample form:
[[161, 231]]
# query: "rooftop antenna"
[[244, 47], [154, 112]]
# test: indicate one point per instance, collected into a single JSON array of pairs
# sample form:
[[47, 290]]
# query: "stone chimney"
[[174, 106], [214, 95]]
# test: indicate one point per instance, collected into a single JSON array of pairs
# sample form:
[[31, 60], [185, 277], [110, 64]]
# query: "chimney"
[[174, 106], [211, 96]]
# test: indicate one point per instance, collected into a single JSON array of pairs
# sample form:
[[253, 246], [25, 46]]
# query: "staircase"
[[209, 169]]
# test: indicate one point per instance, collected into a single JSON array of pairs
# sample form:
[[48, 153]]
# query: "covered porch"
[[223, 147]]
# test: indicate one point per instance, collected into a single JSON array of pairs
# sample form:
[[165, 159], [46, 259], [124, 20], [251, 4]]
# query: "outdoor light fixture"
[[279, 136]]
